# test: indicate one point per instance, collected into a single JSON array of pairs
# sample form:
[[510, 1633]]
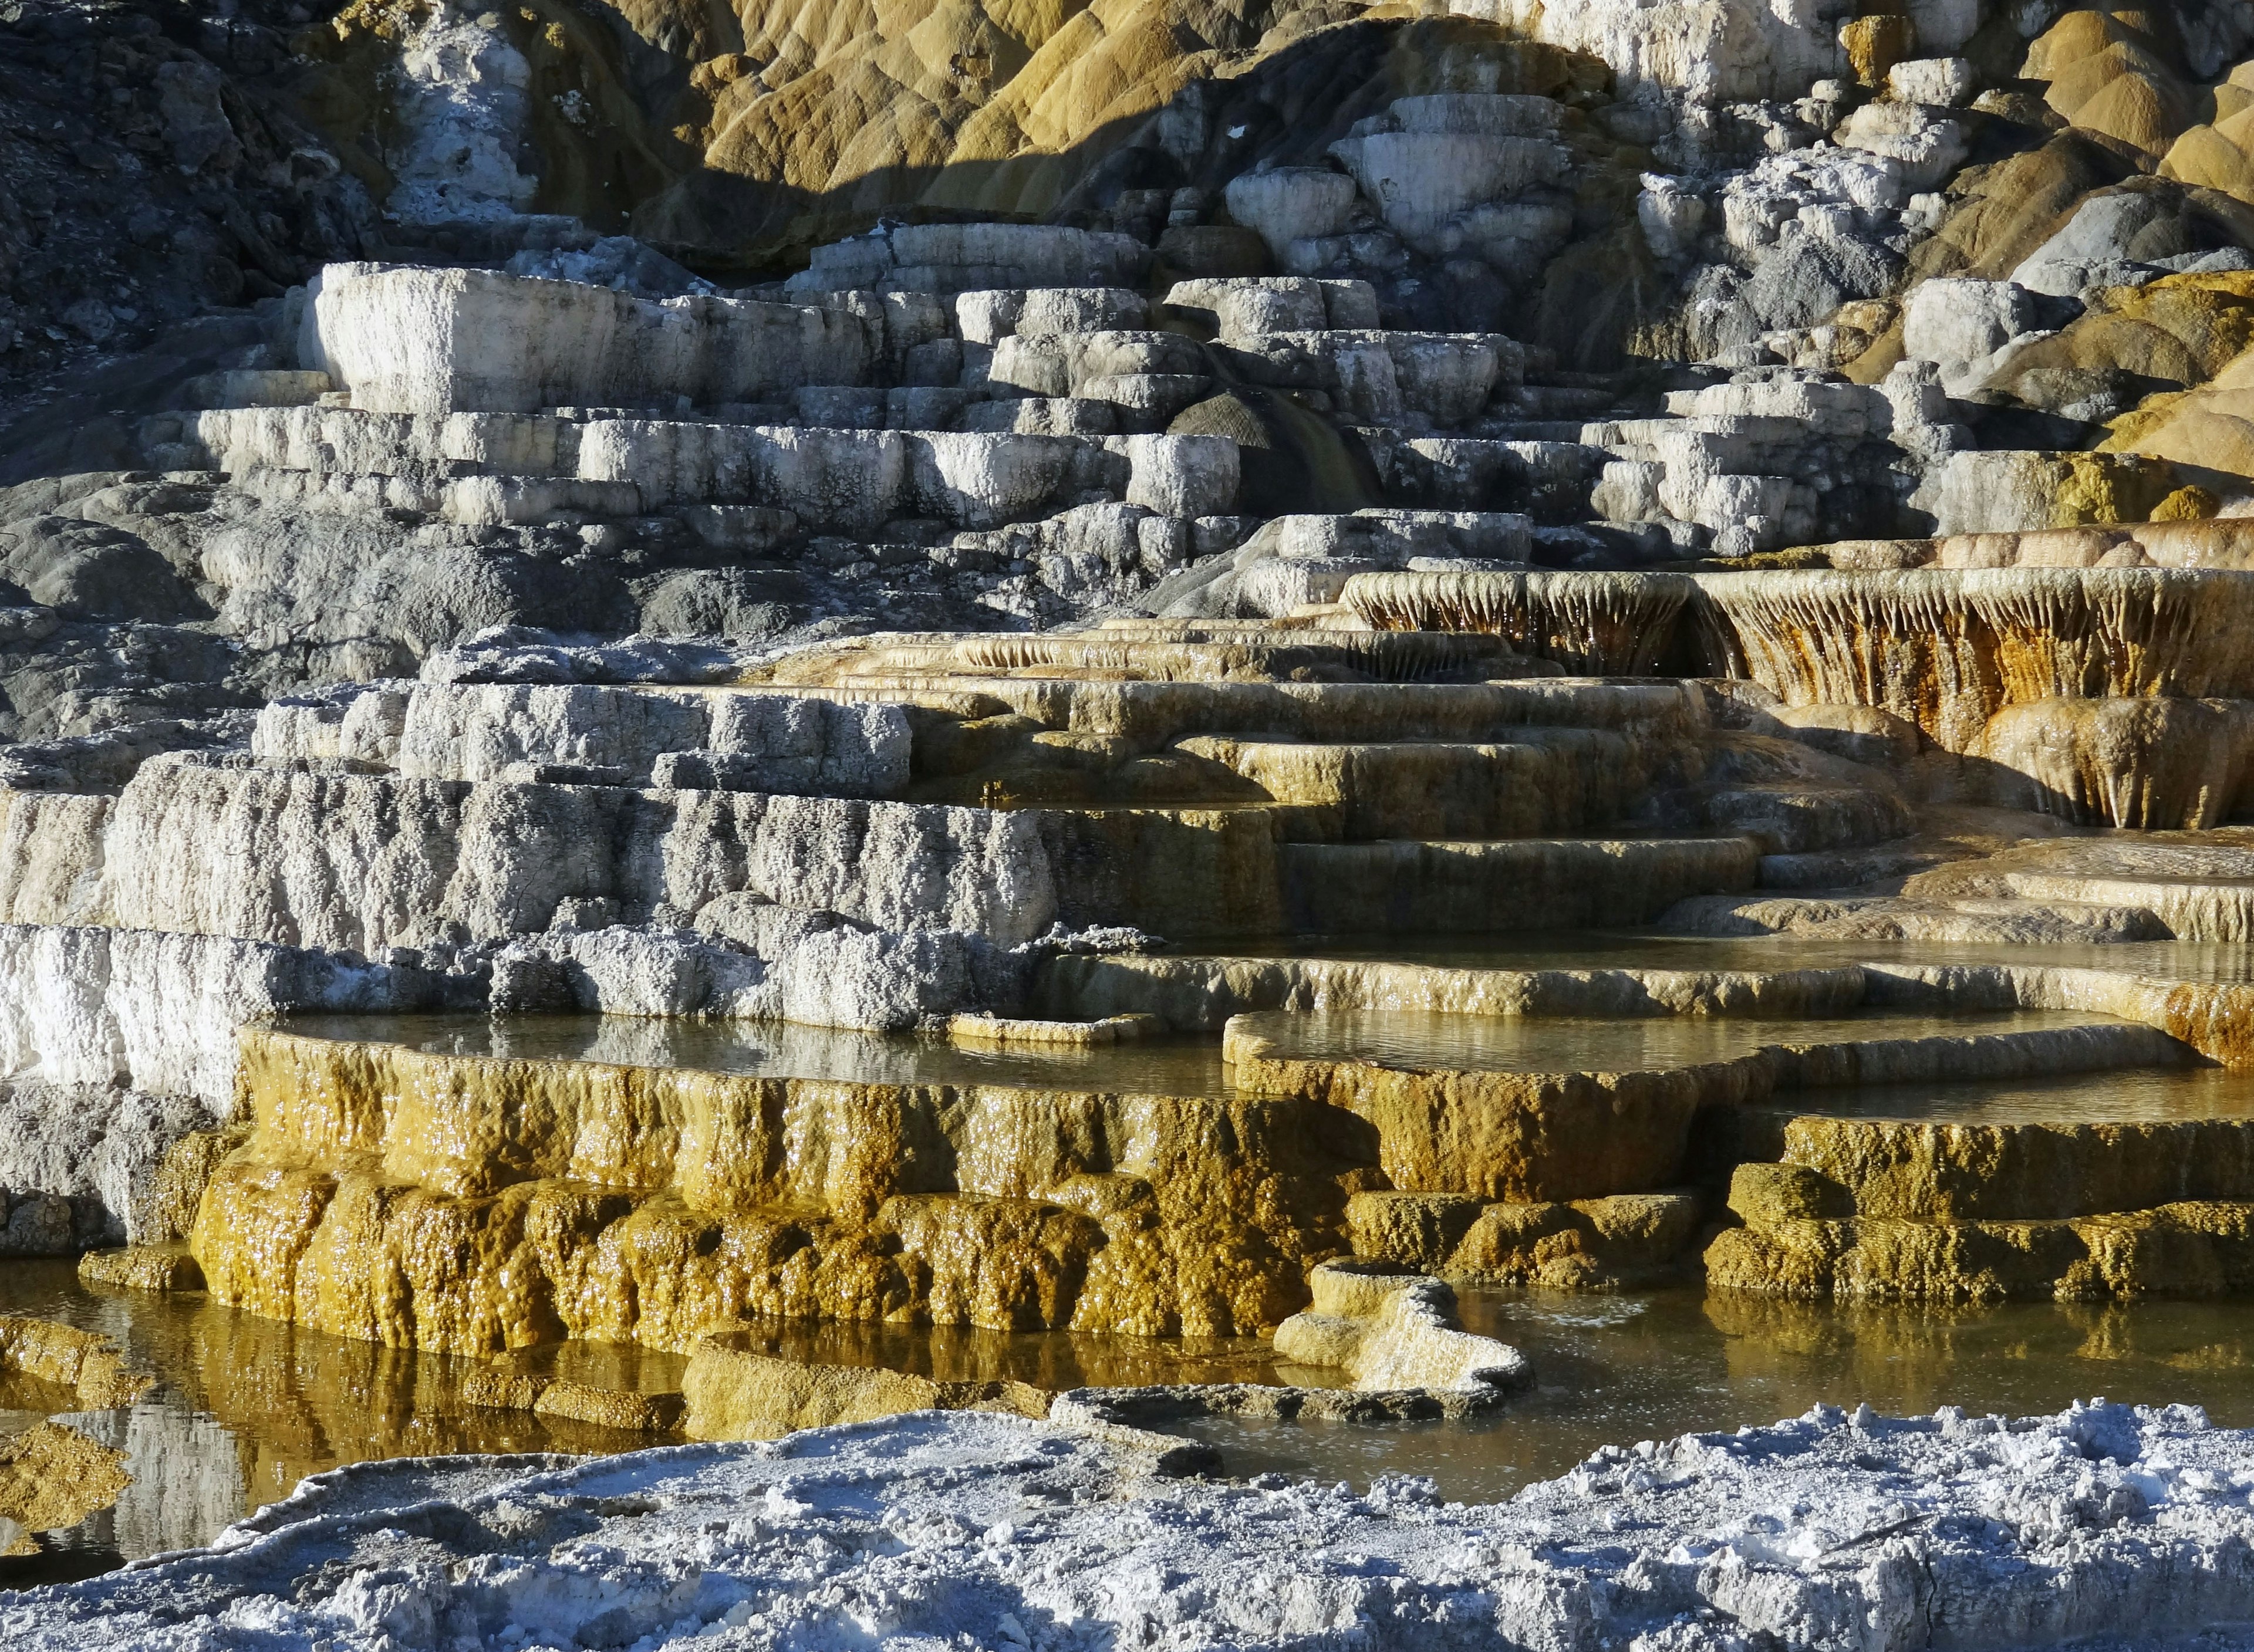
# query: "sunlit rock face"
[[514, 1201]]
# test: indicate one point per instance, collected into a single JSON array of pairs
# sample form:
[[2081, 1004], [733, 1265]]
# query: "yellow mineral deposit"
[[52, 1475], [476, 1205], [740, 1394]]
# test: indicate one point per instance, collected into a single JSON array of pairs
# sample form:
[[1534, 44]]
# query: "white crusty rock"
[[740, 739], [952, 258], [361, 863], [1291, 203], [1944, 82], [77, 1161], [1393, 1331], [158, 1012], [1926, 145], [2104, 242], [2103, 1526], [460, 100], [1967, 328], [760, 962], [436, 342]]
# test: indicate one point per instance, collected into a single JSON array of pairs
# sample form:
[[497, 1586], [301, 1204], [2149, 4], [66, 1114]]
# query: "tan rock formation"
[[2146, 763], [1571, 1245], [1524, 1128], [509, 1202], [2190, 1250], [1599, 624], [1947, 651]]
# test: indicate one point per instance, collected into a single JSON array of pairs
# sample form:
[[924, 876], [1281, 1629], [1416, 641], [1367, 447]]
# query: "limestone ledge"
[[2214, 1018], [514, 1201], [741, 1394], [773, 743], [1616, 1242], [1194, 993], [1922, 1171], [1947, 650], [2195, 885], [157, 1011], [815, 477], [2188, 1249], [432, 340], [1944, 648], [1592, 624], [1201, 994], [2094, 688], [1537, 1137]]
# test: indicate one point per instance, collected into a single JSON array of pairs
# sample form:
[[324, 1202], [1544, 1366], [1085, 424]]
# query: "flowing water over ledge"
[[248, 1406]]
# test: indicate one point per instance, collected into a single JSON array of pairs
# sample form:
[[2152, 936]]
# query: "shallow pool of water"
[[1575, 1044], [248, 1406], [1642, 949], [781, 1049], [1620, 1369], [2128, 1094]]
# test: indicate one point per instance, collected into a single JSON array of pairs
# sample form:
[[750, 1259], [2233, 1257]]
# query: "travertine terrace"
[[1162, 673]]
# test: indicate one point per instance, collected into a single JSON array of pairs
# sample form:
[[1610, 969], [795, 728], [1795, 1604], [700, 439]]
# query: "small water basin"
[[2147, 1094], [1165, 1065], [1424, 1041]]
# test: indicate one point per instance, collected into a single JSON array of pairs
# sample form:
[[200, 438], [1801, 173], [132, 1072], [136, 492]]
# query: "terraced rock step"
[[1511, 884], [1535, 1110], [516, 1199], [2195, 1249], [1193, 992], [1555, 781], [523, 1179], [2114, 694], [1952, 1172]]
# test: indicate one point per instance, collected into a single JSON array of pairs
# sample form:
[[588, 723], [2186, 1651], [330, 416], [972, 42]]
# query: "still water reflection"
[[250, 1406], [1648, 1366]]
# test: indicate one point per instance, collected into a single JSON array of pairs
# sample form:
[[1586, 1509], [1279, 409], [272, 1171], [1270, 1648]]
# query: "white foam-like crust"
[[2106, 1525]]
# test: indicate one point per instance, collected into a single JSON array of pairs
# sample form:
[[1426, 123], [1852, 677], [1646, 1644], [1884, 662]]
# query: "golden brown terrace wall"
[[2189, 1249], [472, 1204], [1539, 1137]]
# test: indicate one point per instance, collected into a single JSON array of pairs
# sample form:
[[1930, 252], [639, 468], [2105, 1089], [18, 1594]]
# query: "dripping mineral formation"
[[1153, 671]]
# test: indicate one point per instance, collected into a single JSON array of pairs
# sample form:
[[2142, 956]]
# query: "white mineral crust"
[[2105, 1525]]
